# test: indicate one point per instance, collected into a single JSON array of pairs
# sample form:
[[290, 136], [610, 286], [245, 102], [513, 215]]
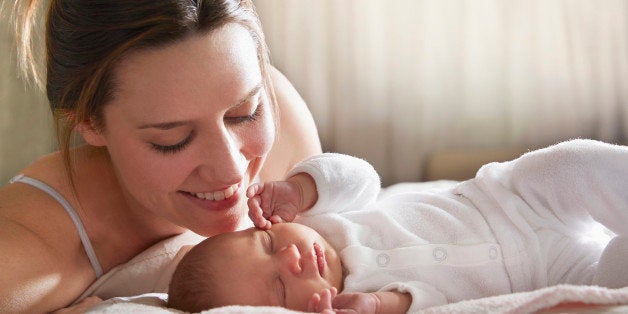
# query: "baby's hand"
[[358, 302], [321, 302], [273, 202], [329, 301]]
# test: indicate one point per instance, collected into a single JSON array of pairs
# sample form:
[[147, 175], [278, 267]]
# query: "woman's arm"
[[35, 275], [297, 138], [43, 266]]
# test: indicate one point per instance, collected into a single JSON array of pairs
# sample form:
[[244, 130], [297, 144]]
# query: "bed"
[[556, 299], [123, 288], [151, 270]]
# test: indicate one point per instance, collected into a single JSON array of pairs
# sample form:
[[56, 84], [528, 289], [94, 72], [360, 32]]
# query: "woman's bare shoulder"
[[297, 138], [41, 267], [38, 270], [29, 269]]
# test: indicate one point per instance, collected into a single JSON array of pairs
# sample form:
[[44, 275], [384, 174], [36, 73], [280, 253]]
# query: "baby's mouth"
[[320, 259], [218, 195]]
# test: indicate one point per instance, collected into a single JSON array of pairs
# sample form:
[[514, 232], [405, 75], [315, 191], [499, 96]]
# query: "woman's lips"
[[218, 195], [320, 259], [217, 204]]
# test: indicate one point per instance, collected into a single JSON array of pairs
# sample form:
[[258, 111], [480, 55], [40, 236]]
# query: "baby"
[[539, 220]]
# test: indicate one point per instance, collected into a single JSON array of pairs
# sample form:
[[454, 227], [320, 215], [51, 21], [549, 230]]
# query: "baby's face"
[[282, 266]]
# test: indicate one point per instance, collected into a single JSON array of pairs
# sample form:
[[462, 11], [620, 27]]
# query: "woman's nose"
[[222, 159], [290, 259]]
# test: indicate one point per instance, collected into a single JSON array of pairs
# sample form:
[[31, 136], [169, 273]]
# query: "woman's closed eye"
[[175, 148], [246, 118]]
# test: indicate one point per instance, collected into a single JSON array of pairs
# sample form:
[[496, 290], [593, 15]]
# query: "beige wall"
[[408, 84], [25, 121], [420, 82]]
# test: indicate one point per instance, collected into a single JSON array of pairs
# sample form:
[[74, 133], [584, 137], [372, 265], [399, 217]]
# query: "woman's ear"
[[90, 134]]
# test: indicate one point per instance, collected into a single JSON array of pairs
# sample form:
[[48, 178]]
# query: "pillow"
[[148, 272]]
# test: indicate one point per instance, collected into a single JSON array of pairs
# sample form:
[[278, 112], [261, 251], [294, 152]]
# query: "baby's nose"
[[291, 259]]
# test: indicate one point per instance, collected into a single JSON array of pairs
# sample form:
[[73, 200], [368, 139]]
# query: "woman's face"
[[189, 128]]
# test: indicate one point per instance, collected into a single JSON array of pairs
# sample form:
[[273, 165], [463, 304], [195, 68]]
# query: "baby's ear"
[[91, 134]]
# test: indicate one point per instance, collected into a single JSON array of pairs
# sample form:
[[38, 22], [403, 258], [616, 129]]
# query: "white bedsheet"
[[140, 286], [556, 299]]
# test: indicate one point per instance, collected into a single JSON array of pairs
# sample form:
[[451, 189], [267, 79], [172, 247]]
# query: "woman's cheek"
[[265, 136], [164, 172]]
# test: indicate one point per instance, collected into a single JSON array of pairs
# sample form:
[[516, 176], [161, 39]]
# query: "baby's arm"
[[343, 183], [323, 182]]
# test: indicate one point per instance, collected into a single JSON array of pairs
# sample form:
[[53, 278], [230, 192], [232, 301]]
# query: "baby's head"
[[282, 266]]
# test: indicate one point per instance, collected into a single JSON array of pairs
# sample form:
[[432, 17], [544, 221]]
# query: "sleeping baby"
[[323, 240]]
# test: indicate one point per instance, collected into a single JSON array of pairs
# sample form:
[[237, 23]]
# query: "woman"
[[180, 112]]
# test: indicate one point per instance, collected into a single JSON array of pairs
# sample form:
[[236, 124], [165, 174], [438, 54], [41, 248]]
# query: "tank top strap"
[[87, 245]]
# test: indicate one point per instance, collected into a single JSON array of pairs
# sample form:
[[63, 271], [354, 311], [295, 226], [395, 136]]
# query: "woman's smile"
[[218, 195], [217, 200]]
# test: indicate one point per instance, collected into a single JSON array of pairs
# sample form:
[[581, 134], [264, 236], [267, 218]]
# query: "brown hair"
[[193, 283], [86, 39]]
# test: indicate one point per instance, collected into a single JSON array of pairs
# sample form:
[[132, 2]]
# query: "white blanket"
[[159, 262], [556, 299]]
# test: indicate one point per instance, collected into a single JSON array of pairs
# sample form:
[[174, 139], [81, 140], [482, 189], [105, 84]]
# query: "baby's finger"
[[254, 189], [275, 219], [254, 208], [266, 225], [255, 214], [312, 304], [334, 292], [326, 299]]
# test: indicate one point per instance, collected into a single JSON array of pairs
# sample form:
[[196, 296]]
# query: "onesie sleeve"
[[343, 182]]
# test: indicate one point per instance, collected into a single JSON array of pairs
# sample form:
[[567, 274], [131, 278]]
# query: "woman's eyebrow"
[[249, 95], [164, 125], [174, 124]]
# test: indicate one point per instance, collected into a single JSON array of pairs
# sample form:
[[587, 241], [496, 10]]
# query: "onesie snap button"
[[440, 254], [382, 260], [492, 252]]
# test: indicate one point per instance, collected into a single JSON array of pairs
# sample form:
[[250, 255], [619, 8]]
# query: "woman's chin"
[[228, 224]]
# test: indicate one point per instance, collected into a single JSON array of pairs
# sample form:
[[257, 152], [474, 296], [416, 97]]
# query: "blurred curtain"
[[393, 81]]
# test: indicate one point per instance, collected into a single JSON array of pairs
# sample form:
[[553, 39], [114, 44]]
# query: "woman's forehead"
[[215, 69]]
